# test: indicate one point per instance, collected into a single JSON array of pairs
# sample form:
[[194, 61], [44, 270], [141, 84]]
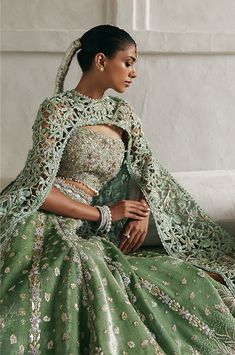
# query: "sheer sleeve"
[[185, 229], [28, 191]]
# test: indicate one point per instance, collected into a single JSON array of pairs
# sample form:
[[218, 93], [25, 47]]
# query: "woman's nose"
[[133, 73]]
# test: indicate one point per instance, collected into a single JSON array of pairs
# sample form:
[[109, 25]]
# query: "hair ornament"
[[64, 66]]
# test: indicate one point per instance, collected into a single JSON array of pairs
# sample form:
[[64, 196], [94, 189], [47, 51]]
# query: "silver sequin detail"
[[82, 161]]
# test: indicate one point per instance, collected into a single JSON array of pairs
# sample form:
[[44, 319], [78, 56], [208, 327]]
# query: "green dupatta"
[[186, 231]]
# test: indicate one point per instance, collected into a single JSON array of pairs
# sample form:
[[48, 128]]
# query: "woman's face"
[[120, 70]]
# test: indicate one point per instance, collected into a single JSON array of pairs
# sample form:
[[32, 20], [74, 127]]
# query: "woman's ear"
[[100, 61]]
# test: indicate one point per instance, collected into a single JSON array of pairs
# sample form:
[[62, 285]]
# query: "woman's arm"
[[60, 204]]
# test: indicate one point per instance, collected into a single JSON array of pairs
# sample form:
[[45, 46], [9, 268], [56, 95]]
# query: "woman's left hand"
[[137, 231]]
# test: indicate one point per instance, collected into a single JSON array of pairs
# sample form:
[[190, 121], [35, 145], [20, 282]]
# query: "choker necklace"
[[78, 93]]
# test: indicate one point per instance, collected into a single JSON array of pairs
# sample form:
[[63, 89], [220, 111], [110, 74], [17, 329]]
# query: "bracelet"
[[102, 219], [106, 218], [109, 222]]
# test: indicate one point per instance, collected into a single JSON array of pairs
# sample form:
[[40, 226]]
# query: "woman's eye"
[[128, 64]]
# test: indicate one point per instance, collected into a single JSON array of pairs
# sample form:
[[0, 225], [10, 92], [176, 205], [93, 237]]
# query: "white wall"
[[185, 91]]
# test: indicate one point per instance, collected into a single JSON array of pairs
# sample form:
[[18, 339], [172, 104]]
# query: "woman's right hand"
[[129, 209]]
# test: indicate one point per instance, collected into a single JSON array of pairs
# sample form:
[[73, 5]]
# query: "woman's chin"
[[120, 90]]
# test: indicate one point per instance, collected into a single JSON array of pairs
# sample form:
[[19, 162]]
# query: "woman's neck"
[[88, 87]]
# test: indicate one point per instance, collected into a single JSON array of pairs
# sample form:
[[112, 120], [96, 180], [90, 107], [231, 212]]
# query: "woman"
[[70, 283]]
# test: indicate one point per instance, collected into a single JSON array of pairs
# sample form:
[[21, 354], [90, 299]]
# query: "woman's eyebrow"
[[133, 58]]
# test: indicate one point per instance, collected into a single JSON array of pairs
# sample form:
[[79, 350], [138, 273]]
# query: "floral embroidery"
[[21, 311], [175, 306], [186, 231], [13, 339], [50, 345], [64, 317], [131, 344], [192, 295], [21, 350], [124, 316], [144, 343], [57, 271], [88, 286], [34, 333], [47, 296], [46, 319]]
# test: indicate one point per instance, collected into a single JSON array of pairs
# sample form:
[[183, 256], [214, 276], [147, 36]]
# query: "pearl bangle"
[[106, 218]]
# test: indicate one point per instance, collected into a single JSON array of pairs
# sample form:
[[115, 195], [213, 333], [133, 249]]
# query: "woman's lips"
[[128, 83]]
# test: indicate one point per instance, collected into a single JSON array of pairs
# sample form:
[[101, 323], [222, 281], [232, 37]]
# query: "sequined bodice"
[[91, 158]]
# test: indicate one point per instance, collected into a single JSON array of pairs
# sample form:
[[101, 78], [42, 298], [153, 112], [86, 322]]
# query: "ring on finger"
[[127, 236]]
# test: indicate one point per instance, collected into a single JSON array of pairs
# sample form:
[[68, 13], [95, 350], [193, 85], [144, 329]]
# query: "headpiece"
[[64, 66]]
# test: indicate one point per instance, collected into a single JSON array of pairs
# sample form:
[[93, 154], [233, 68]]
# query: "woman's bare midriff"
[[81, 186]]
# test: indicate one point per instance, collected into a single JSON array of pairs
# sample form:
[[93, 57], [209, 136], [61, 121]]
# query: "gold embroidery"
[[34, 282], [175, 306], [13, 339], [131, 344], [50, 345], [124, 315]]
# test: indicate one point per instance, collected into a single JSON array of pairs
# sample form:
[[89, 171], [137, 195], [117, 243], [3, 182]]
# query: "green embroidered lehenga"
[[67, 289]]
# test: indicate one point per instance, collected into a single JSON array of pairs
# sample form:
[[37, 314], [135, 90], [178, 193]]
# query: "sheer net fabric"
[[67, 289]]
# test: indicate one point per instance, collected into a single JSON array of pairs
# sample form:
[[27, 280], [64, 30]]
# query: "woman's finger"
[[122, 240], [134, 216], [139, 206], [125, 241], [129, 242], [125, 245], [139, 242], [124, 235], [139, 214], [136, 202], [133, 243]]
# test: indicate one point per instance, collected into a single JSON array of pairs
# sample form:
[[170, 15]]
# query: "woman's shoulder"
[[118, 99], [127, 111], [69, 96], [58, 99], [53, 109], [61, 107], [68, 100], [122, 103]]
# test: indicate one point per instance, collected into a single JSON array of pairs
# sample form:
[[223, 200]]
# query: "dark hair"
[[106, 39]]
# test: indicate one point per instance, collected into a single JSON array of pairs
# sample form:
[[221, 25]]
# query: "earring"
[[101, 69]]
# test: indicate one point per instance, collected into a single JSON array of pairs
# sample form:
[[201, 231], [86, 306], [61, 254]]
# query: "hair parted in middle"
[[106, 39]]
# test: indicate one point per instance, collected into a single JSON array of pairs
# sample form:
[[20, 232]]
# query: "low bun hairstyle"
[[106, 39]]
